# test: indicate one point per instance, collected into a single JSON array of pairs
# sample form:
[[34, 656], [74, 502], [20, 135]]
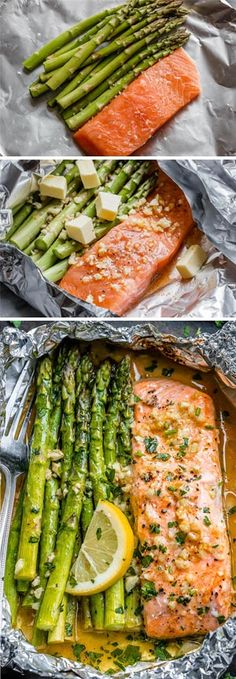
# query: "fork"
[[14, 457]]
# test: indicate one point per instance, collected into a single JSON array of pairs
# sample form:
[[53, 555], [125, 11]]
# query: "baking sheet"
[[206, 127], [19, 350], [210, 187]]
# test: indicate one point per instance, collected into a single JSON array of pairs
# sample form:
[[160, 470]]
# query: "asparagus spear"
[[132, 599], [56, 272], [86, 516], [34, 494], [51, 502], [133, 203], [39, 56], [78, 120], [68, 415], [57, 634], [97, 464], [83, 53], [12, 550], [115, 596], [56, 225], [50, 606]]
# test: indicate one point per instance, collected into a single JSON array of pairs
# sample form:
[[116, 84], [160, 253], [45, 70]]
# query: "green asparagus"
[[10, 588], [34, 494]]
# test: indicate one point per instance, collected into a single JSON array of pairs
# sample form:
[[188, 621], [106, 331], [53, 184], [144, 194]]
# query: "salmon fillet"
[[142, 108], [177, 504], [116, 271]]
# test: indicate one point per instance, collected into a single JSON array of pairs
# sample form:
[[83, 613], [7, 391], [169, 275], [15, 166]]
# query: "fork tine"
[[15, 392], [18, 415], [26, 420]]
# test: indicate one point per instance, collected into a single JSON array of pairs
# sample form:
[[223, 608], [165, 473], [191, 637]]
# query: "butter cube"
[[81, 229], [191, 261], [107, 205], [53, 186], [88, 174]]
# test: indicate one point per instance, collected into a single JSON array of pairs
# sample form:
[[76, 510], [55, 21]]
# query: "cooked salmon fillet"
[[177, 504], [142, 108], [118, 269]]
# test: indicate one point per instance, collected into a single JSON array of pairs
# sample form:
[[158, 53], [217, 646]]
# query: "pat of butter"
[[53, 186], [81, 229], [191, 261], [107, 205], [88, 174]]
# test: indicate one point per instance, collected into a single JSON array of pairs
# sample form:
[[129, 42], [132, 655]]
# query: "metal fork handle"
[[5, 518]]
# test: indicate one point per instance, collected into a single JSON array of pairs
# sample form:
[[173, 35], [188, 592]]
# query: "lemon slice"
[[105, 554]]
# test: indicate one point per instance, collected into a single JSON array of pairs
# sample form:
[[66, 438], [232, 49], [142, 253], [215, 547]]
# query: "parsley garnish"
[[151, 444]]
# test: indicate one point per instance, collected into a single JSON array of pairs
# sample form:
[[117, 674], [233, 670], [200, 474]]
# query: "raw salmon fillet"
[[177, 504], [116, 271], [145, 105]]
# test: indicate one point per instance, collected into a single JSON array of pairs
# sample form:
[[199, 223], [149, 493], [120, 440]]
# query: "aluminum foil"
[[19, 350], [207, 125], [210, 187]]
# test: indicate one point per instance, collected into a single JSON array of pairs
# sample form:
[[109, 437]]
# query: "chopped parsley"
[[183, 448], [197, 412], [148, 590], [206, 510], [151, 444], [206, 521], [33, 539], [172, 524], [68, 629], [203, 610], [221, 619], [78, 649], [128, 656], [162, 548], [146, 560], [160, 651], [155, 528], [119, 610], [232, 510], [184, 600], [180, 537], [163, 456]]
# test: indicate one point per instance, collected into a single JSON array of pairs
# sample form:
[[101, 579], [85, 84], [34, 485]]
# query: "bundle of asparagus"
[[81, 442], [88, 65], [38, 226]]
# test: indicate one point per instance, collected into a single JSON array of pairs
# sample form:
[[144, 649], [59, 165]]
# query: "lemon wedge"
[[105, 554]]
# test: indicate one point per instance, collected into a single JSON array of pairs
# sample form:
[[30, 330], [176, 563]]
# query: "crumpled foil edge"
[[216, 351]]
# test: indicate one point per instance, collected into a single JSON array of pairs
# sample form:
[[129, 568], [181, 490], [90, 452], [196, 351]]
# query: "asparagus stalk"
[[83, 53], [68, 415], [48, 258], [10, 588], [57, 634], [78, 120], [115, 596], [56, 225], [34, 494], [39, 56], [86, 517], [50, 606], [37, 88], [97, 464], [56, 272], [133, 203], [132, 599]]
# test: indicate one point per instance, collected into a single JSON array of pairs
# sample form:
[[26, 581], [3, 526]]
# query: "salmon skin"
[[142, 108], [116, 271], [177, 504]]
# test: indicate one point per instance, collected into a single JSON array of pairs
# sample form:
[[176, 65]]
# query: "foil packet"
[[206, 125], [210, 188], [19, 352]]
